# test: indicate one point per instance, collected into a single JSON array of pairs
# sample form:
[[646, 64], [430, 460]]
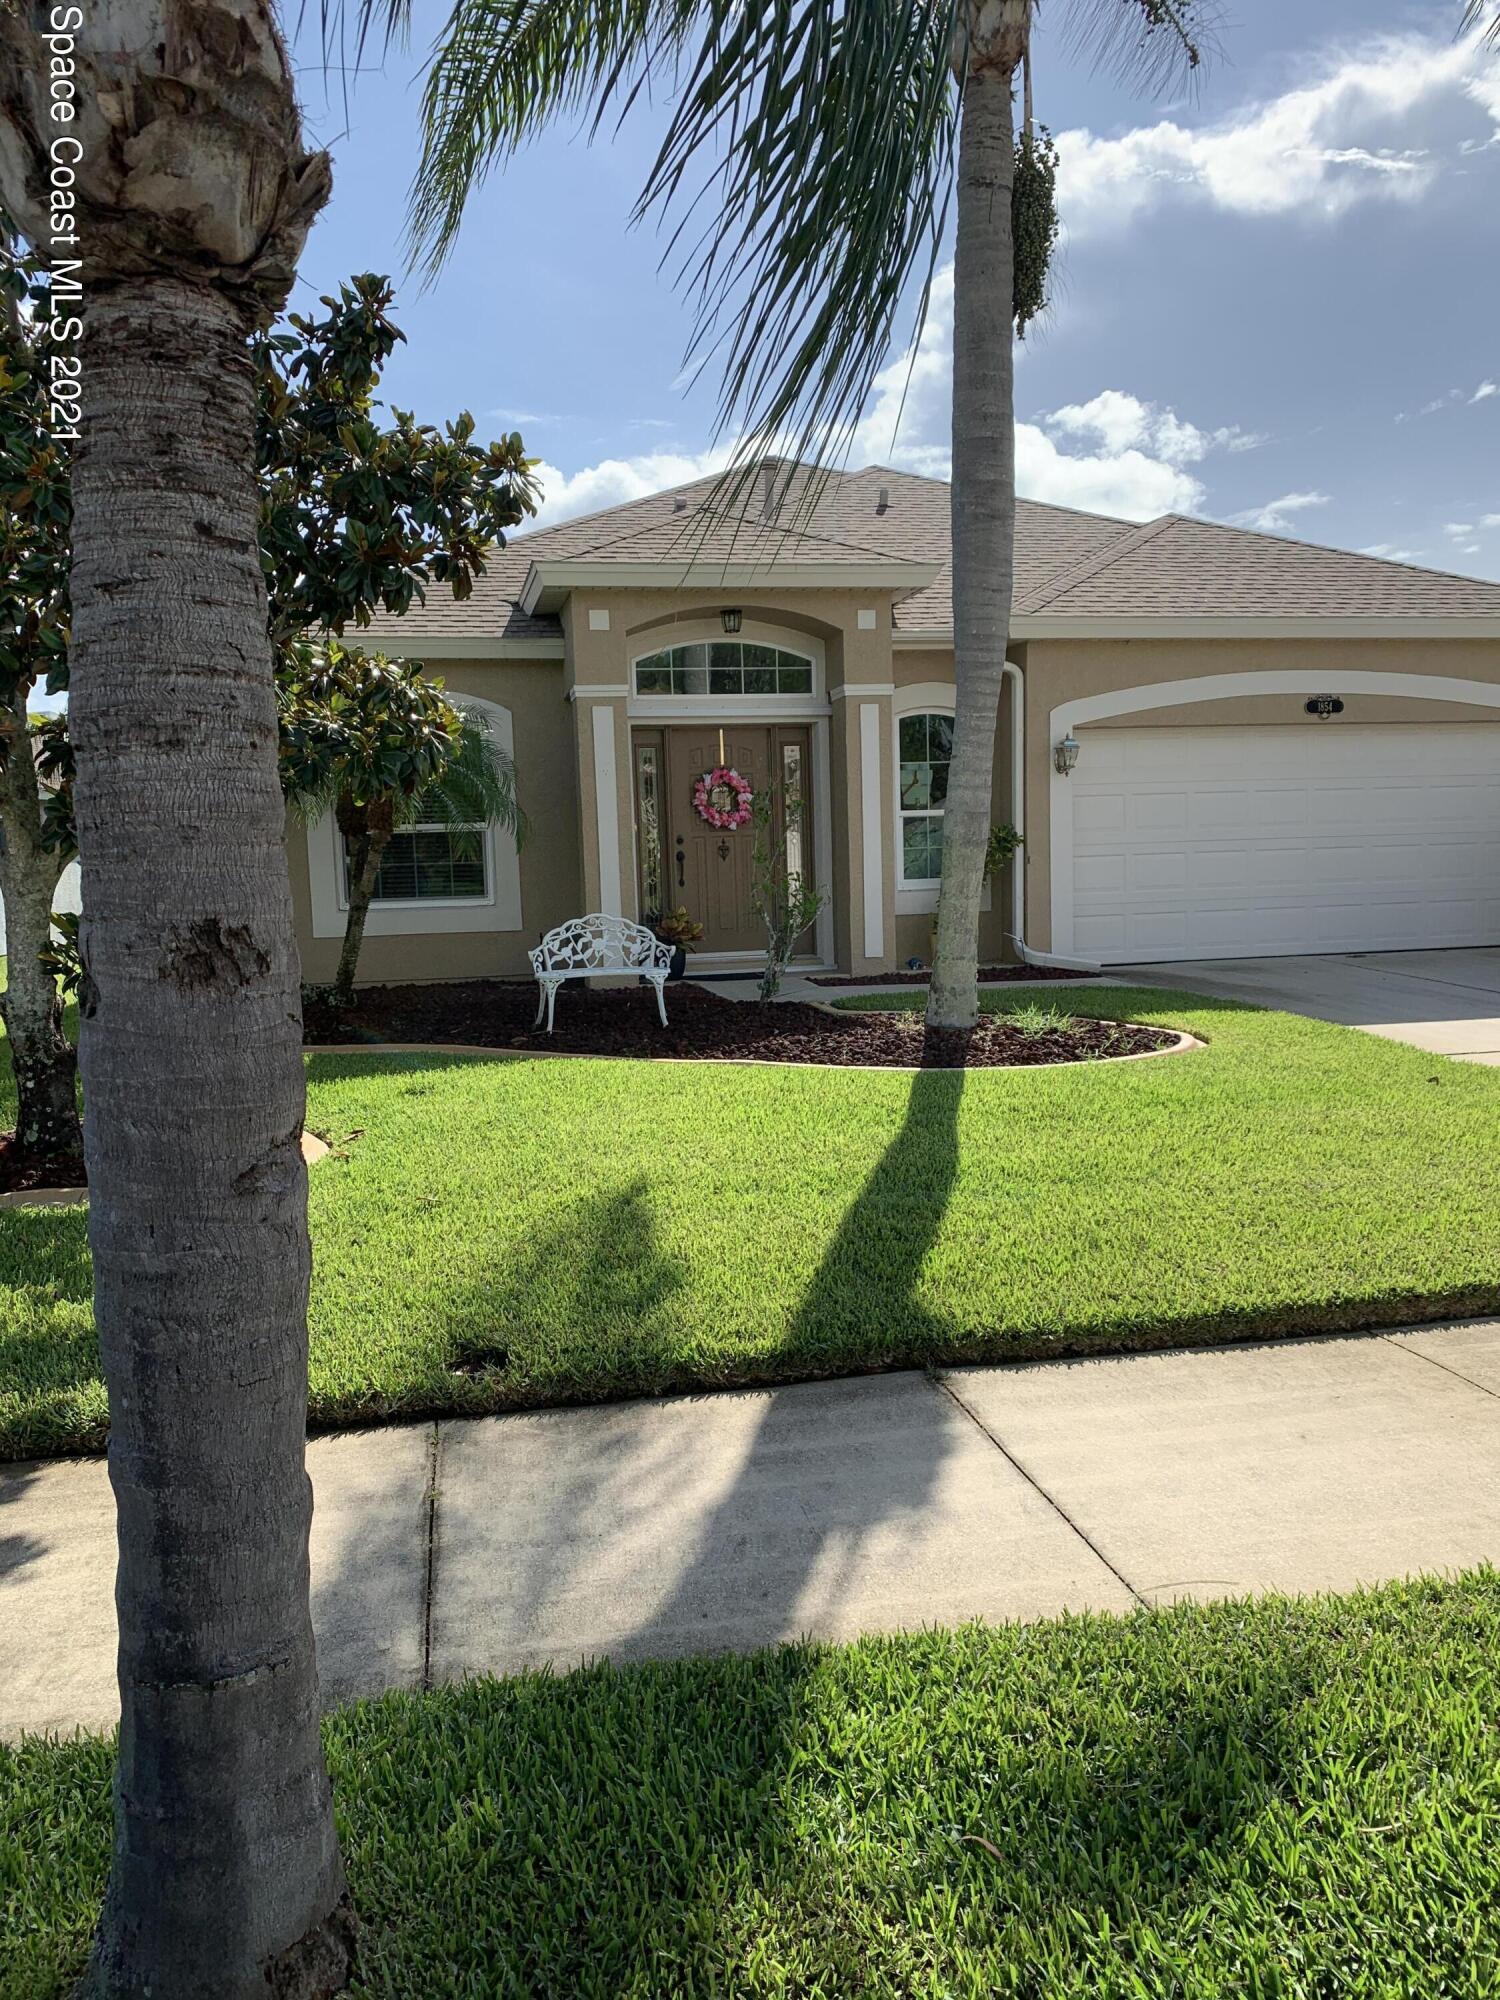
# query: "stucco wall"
[[1063, 671], [607, 630], [549, 860]]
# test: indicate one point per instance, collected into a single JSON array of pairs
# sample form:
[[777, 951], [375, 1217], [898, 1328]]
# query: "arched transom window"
[[733, 667], [926, 745]]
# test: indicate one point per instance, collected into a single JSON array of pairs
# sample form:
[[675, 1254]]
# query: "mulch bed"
[[16, 1178], [989, 975], [497, 1014]]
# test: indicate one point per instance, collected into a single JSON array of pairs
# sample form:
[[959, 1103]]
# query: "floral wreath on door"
[[723, 798]]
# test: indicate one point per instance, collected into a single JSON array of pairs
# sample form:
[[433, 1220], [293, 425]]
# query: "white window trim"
[[741, 707], [917, 899], [486, 855], [914, 899], [1140, 700], [498, 910]]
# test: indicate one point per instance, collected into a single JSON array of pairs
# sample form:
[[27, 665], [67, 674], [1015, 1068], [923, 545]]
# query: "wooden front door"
[[707, 869]]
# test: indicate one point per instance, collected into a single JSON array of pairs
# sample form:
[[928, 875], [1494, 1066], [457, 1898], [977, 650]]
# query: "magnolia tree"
[[361, 511]]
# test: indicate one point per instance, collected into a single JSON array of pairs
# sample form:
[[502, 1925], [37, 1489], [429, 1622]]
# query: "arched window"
[[926, 746], [733, 667]]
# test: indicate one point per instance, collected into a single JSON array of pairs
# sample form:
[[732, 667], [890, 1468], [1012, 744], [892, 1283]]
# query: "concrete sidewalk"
[[661, 1528]]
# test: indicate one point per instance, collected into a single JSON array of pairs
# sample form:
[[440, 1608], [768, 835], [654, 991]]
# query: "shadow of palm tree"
[[663, 1527], [797, 1526], [17, 1546], [1052, 1809]]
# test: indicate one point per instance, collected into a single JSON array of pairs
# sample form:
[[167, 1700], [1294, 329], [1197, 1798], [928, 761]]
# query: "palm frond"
[[802, 182], [476, 786], [1150, 43], [1482, 17]]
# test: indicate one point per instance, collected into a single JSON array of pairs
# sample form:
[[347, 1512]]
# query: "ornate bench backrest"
[[600, 943]]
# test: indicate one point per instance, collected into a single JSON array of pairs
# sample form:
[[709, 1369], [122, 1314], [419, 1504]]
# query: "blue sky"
[[1278, 300]]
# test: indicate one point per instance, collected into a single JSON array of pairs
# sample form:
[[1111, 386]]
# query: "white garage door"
[[1215, 843]]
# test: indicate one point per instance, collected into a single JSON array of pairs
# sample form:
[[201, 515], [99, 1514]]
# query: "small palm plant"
[[382, 747]]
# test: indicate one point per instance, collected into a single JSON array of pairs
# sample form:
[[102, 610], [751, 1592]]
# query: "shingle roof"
[[1067, 563], [1180, 567]]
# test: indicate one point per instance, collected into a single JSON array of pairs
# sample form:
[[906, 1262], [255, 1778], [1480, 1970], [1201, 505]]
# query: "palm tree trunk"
[[984, 500], [364, 867], [48, 1137], [226, 1877]]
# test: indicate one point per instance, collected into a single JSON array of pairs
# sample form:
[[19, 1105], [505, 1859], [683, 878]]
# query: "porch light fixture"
[[731, 620], [1065, 755]]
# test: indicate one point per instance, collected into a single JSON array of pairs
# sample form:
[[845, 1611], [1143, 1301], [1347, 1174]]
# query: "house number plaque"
[[1324, 705]]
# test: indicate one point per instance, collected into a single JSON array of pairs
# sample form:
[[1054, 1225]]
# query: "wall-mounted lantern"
[[1065, 754], [731, 620]]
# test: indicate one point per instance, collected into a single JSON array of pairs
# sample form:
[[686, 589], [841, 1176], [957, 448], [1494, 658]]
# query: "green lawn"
[[1299, 1800], [624, 1227]]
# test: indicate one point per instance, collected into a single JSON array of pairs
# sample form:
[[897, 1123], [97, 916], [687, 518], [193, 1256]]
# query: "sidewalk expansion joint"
[[941, 1382], [434, 1448], [1458, 1375]]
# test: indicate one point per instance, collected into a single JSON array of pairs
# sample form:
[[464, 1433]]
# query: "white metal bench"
[[598, 944]]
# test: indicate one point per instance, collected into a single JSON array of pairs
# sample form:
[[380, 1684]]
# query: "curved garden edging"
[[1185, 1044]]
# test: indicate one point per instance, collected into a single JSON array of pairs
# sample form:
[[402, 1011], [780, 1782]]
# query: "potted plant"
[[678, 929]]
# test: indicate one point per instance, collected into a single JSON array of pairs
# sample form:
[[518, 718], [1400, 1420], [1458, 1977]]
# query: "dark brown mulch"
[[18, 1176], [497, 1014], [989, 975]]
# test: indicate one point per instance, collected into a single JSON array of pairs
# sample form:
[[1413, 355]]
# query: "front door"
[[708, 869]]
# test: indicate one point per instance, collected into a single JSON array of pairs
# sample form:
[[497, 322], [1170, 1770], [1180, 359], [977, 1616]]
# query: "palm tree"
[[814, 147], [194, 194], [380, 746]]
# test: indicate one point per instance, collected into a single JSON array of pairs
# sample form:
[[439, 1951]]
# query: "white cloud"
[[1391, 553], [1114, 454], [1461, 534], [1321, 148], [1132, 483], [910, 410], [616, 480], [1450, 397], [1489, 520], [1120, 422], [1275, 517], [520, 418], [1136, 456]]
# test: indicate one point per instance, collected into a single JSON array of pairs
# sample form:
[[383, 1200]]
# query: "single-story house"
[[1215, 742]]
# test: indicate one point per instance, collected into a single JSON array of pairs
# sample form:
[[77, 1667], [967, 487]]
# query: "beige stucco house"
[[1279, 748]]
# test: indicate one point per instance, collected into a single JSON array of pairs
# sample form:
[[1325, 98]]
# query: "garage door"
[[1212, 843]]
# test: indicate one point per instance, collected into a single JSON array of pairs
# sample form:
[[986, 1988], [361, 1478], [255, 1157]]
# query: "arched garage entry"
[[1189, 841]]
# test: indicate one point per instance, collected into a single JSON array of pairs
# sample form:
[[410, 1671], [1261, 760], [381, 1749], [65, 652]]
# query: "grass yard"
[[1291, 1799], [616, 1227]]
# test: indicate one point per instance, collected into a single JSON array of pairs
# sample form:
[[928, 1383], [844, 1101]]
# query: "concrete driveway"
[[1445, 1001]]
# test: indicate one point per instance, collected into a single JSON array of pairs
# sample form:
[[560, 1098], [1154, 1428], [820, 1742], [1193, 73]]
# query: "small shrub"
[[1040, 1017]]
